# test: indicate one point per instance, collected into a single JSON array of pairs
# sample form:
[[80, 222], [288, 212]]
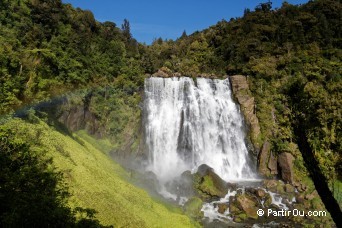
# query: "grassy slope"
[[96, 181]]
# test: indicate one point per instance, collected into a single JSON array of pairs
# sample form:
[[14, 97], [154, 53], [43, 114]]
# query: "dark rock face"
[[267, 162], [77, 118], [285, 162]]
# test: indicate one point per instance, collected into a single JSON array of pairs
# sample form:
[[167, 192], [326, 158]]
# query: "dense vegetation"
[[292, 56], [48, 48]]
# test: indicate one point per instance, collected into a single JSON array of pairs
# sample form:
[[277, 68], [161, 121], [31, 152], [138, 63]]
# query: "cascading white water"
[[189, 125]]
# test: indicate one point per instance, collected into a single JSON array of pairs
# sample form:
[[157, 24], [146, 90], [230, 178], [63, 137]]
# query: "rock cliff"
[[241, 92]]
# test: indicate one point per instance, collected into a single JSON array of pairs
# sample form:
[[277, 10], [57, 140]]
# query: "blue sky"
[[152, 19]]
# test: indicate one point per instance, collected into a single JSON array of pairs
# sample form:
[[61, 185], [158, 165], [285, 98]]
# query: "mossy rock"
[[222, 207], [208, 184], [268, 200], [240, 217], [248, 205], [233, 209]]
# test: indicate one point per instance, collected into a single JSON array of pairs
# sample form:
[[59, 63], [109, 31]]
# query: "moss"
[[207, 188], [268, 200], [316, 204], [337, 191], [242, 216], [103, 145], [193, 208], [280, 188]]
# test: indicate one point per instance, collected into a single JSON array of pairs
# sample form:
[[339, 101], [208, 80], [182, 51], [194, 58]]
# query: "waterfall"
[[188, 124]]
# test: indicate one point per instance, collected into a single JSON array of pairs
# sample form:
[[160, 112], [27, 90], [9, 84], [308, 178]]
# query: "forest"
[[48, 50]]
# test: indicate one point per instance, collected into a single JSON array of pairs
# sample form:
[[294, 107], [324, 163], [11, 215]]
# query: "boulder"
[[267, 200], [247, 205], [285, 162], [270, 184], [260, 193], [222, 207], [209, 184]]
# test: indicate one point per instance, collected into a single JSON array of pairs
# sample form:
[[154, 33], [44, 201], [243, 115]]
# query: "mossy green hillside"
[[96, 181], [193, 208]]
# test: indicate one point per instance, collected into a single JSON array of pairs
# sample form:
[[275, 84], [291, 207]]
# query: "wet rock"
[[233, 209], [222, 207], [247, 205], [267, 200], [260, 193], [209, 184], [250, 190], [270, 184], [285, 162], [232, 186]]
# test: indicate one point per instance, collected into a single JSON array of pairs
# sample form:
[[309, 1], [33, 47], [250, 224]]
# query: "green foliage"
[[293, 55], [32, 192], [48, 48]]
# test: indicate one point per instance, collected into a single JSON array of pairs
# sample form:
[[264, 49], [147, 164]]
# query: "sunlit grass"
[[96, 181]]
